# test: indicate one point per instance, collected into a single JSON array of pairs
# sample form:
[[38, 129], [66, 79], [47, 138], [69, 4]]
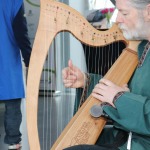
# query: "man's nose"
[[119, 18]]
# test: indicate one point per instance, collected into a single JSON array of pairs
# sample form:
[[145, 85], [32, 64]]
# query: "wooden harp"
[[50, 23]]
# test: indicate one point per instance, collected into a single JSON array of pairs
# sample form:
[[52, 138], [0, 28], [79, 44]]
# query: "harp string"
[[60, 123]]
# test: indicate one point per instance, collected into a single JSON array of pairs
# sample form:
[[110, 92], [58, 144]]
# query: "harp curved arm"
[[54, 18]]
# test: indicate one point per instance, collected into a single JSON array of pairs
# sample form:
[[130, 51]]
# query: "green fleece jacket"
[[132, 112]]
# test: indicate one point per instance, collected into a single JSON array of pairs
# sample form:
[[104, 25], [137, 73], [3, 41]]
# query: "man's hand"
[[72, 76], [106, 90]]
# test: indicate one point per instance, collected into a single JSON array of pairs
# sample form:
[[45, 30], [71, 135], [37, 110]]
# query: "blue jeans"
[[12, 121]]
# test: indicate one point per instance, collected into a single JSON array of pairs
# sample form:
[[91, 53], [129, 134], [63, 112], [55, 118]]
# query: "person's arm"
[[84, 83], [21, 35], [132, 112]]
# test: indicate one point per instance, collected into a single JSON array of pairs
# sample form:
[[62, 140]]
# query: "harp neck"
[[56, 17]]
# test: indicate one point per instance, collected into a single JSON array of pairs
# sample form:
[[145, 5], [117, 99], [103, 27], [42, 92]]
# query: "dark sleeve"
[[21, 35], [132, 113]]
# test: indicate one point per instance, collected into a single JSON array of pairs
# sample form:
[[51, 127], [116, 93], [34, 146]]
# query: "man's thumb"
[[70, 64]]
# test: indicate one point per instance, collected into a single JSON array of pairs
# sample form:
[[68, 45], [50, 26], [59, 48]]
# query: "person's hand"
[[106, 90], [72, 76]]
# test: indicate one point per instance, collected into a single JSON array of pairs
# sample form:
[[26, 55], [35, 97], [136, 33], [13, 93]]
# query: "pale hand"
[[106, 90], [72, 76]]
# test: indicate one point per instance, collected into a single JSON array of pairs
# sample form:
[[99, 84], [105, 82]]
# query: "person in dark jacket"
[[128, 106], [14, 43]]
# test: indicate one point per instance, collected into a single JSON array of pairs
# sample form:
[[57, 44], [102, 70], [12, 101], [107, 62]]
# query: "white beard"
[[137, 33]]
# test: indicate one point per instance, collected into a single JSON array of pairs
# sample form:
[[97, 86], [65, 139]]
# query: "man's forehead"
[[125, 1], [123, 4]]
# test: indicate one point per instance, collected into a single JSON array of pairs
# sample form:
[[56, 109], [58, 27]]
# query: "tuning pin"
[[96, 111]]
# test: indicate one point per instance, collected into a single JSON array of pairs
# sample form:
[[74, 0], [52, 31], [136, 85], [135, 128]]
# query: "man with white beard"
[[127, 106]]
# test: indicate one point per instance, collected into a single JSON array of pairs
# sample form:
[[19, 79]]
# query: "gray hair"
[[140, 4]]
